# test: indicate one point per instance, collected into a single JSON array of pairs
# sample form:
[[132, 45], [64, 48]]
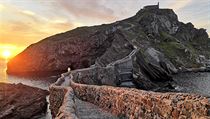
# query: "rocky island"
[[113, 64], [161, 38]]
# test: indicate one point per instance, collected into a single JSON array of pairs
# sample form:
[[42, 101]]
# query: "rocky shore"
[[18, 101]]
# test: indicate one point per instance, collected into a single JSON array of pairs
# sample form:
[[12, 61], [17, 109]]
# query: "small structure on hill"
[[152, 7]]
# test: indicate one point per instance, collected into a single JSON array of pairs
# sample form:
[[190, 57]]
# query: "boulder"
[[159, 59], [154, 72], [18, 101]]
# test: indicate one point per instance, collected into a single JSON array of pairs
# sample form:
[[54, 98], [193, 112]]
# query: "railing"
[[116, 100], [125, 58], [61, 97]]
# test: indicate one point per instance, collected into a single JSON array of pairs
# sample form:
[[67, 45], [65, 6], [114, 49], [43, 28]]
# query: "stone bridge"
[[94, 93], [74, 100]]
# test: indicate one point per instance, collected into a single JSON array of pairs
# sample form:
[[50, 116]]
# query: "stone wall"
[[96, 76], [56, 99], [59, 94], [133, 103], [125, 102], [61, 99], [67, 109], [109, 75]]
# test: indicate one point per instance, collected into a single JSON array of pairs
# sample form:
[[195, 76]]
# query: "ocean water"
[[198, 83], [39, 82]]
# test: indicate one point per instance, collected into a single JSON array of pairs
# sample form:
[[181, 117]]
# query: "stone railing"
[[61, 97], [67, 109], [109, 75], [124, 102], [133, 103], [61, 92], [96, 76], [125, 59]]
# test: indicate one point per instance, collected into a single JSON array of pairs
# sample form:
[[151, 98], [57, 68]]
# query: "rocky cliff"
[[165, 44]]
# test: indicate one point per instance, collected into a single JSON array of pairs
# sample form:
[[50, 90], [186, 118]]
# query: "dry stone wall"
[[56, 99], [125, 102], [134, 104], [67, 109], [96, 76], [109, 75], [61, 98]]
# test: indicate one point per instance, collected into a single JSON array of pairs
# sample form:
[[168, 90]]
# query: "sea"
[[198, 83]]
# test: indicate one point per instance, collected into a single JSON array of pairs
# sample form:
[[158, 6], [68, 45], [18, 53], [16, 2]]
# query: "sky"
[[23, 22]]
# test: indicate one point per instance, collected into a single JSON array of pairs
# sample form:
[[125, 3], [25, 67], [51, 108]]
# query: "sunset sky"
[[23, 22]]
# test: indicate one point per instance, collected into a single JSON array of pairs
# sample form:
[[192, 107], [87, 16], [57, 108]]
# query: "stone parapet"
[[133, 103], [96, 76], [61, 98], [124, 102], [67, 109]]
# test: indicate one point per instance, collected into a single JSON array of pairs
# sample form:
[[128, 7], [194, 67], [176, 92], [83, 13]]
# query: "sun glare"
[[7, 51], [6, 54]]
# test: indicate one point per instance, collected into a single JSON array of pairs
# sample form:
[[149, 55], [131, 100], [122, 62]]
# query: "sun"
[[6, 54]]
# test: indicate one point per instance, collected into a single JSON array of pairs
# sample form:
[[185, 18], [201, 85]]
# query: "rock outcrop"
[[18, 101], [162, 39]]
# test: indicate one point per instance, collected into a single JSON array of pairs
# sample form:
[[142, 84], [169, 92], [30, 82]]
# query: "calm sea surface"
[[40, 82], [198, 83]]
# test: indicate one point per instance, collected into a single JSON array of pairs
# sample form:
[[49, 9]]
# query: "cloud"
[[19, 32], [29, 21], [1, 7], [178, 4], [92, 9], [21, 26], [27, 12]]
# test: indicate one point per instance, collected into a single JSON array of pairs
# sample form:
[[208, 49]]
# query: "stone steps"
[[125, 80], [127, 84], [126, 73], [86, 110]]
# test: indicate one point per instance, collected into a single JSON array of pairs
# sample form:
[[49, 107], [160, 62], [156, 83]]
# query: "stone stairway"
[[129, 84], [86, 110], [126, 77]]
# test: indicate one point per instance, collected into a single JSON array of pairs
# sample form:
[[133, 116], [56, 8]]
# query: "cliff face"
[[161, 38], [78, 48]]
